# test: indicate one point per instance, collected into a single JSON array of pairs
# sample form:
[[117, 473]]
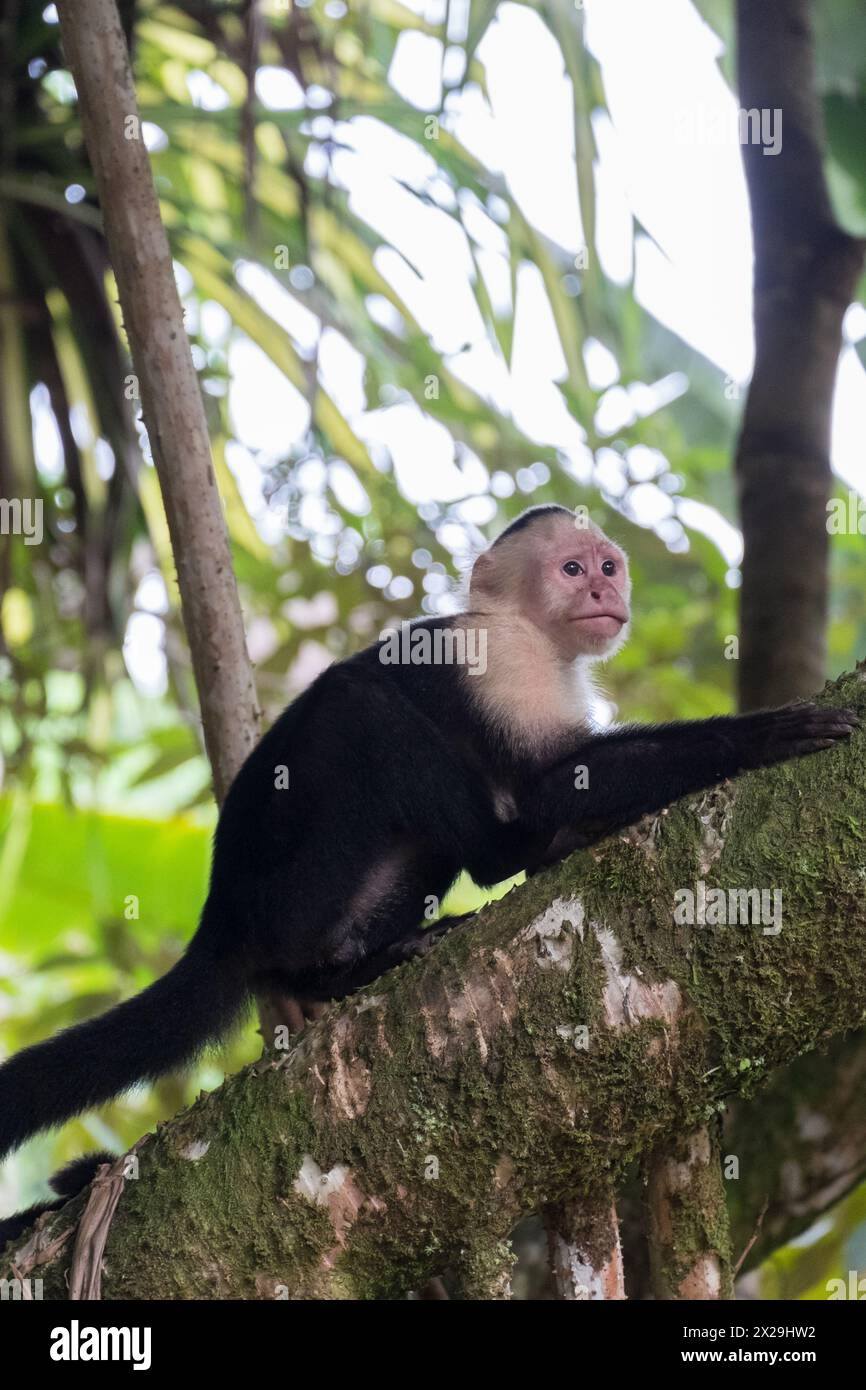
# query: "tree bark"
[[806, 269], [171, 400], [585, 1250], [687, 1220], [410, 1128], [800, 1147]]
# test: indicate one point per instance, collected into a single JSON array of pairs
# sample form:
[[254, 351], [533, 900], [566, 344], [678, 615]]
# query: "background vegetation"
[[106, 805]]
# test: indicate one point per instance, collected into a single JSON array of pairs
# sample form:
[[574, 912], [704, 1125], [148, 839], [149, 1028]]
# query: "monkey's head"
[[561, 572]]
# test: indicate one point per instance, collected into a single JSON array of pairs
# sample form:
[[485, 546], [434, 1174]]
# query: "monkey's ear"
[[481, 579]]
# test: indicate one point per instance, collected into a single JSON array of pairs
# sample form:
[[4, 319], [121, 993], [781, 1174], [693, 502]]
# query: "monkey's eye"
[[572, 568], [609, 567]]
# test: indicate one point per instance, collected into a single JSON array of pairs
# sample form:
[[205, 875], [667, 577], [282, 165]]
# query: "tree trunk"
[[410, 1129], [806, 269]]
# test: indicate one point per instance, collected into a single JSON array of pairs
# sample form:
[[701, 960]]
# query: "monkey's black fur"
[[67, 1182], [395, 773]]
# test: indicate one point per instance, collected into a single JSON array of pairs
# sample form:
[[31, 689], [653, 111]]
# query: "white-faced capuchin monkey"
[[389, 776]]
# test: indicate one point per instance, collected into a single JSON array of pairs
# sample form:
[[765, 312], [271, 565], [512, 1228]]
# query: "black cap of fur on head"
[[531, 515]]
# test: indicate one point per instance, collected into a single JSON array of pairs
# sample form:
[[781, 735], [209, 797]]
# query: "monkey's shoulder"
[[356, 709]]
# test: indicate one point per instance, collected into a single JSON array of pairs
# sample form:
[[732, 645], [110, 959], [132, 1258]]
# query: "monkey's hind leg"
[[415, 943], [419, 942]]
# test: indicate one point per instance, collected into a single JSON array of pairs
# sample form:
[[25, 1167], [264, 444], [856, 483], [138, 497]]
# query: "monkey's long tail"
[[166, 1025]]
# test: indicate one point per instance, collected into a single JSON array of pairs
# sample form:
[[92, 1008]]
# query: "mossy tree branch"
[[412, 1127]]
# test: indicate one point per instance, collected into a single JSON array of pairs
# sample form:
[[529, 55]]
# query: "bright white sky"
[[662, 157]]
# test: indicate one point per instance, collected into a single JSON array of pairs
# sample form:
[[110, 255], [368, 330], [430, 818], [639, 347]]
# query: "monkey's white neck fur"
[[528, 691]]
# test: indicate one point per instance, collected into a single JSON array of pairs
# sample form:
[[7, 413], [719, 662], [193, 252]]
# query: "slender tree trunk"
[[805, 272], [171, 400]]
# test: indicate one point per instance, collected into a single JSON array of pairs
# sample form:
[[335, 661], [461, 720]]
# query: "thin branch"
[[754, 1236], [173, 410]]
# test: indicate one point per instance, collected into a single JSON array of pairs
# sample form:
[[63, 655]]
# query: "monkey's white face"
[[578, 589], [570, 581]]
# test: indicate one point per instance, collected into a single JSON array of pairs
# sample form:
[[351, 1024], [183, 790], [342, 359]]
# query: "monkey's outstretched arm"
[[613, 779]]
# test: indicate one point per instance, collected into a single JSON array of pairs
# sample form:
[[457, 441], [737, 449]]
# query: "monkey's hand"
[[774, 736]]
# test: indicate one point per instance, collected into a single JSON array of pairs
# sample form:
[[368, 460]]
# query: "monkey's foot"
[[417, 943], [420, 942], [284, 1011]]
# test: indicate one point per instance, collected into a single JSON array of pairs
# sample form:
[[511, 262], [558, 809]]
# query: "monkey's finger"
[[815, 730], [792, 746], [801, 748], [804, 714]]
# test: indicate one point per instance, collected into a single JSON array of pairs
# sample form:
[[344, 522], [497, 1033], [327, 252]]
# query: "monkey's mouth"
[[601, 621]]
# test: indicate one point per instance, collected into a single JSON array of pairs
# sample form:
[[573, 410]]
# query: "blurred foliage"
[[94, 906], [245, 187]]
